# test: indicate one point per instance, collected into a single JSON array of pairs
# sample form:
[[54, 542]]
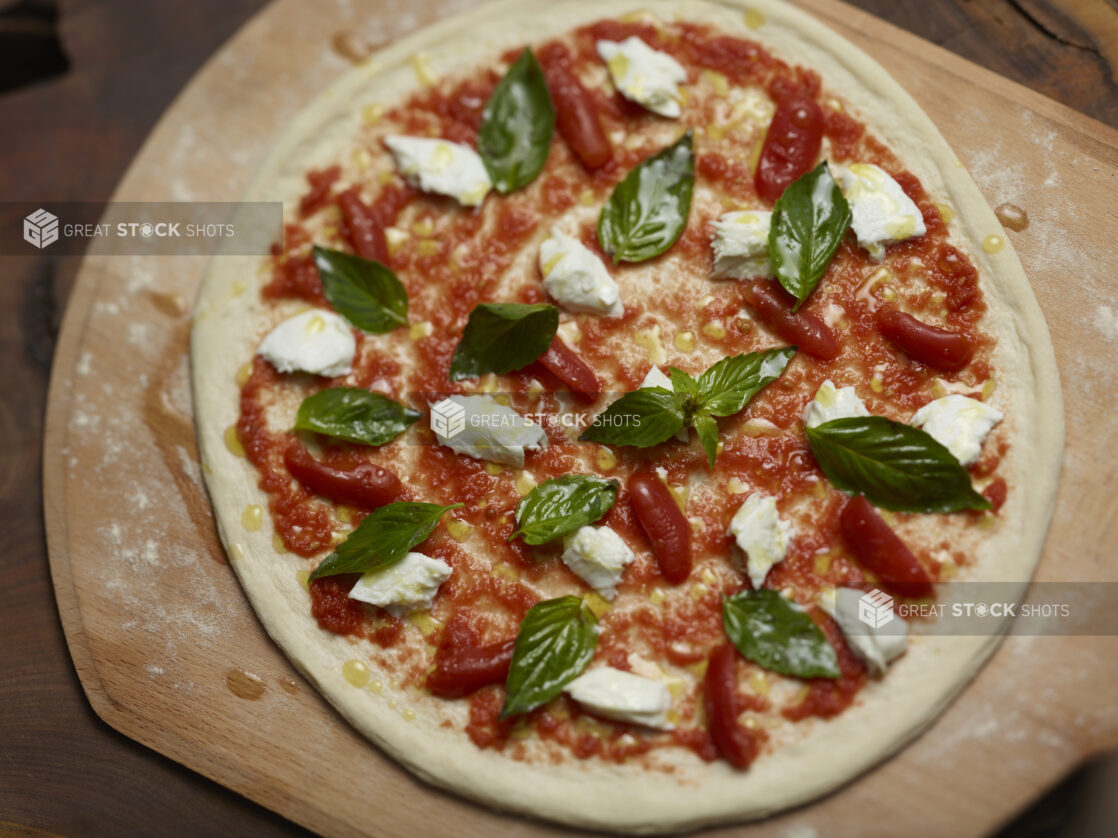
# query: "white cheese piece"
[[959, 424], [656, 378], [441, 166], [762, 534], [882, 212], [317, 341], [576, 278], [598, 556], [741, 245], [409, 585], [623, 697], [483, 428], [832, 402], [876, 647], [644, 75]]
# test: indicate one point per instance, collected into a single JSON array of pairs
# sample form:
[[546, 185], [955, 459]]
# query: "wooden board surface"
[[159, 631]]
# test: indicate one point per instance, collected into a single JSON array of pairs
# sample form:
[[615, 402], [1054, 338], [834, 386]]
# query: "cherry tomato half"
[[366, 486], [791, 145], [929, 345], [881, 551], [802, 328], [664, 523]]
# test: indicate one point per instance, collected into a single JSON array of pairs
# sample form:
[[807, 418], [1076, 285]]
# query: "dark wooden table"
[[62, 771]]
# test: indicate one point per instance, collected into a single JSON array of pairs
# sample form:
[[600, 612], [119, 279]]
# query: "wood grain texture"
[[61, 770]]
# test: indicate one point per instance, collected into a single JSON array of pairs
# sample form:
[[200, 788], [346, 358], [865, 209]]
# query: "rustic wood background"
[[64, 772]]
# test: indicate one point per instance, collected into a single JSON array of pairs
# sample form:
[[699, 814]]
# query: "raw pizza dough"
[[230, 320]]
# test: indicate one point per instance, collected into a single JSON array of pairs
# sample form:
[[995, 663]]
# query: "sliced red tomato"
[[720, 700], [565, 365], [929, 345], [366, 486], [802, 328], [664, 523], [881, 551], [576, 117], [791, 145]]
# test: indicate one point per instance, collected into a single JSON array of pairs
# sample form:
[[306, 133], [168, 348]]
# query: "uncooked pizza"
[[609, 355]]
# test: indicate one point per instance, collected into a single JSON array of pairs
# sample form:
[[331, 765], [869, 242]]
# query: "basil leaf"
[[562, 505], [727, 387], [808, 222], [895, 466], [383, 538], [707, 429], [363, 291], [683, 385], [556, 641], [501, 337], [516, 127], [355, 415], [778, 635], [643, 418], [648, 210]]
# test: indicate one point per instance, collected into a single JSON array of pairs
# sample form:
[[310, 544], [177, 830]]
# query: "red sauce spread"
[[456, 258]]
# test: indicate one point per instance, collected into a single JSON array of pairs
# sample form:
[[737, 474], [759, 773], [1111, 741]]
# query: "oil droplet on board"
[[245, 685], [1012, 217], [992, 244], [352, 46], [356, 672], [288, 684]]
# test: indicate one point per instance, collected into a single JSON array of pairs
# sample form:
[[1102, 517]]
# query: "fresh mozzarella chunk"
[[762, 534], [441, 166], [741, 245], [644, 75], [959, 424], [882, 212], [598, 556], [409, 585], [655, 378], [876, 646], [832, 402], [483, 428], [623, 697], [576, 278], [317, 341]]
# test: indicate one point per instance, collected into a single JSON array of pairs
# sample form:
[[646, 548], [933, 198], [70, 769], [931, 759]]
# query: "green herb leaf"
[[363, 291], [808, 224], [355, 415], [556, 641], [706, 427], [501, 337], [895, 466], [516, 127], [562, 505], [778, 635], [383, 538], [642, 418], [726, 387], [648, 210], [683, 385]]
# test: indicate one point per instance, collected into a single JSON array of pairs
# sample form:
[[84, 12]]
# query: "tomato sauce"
[[466, 254]]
